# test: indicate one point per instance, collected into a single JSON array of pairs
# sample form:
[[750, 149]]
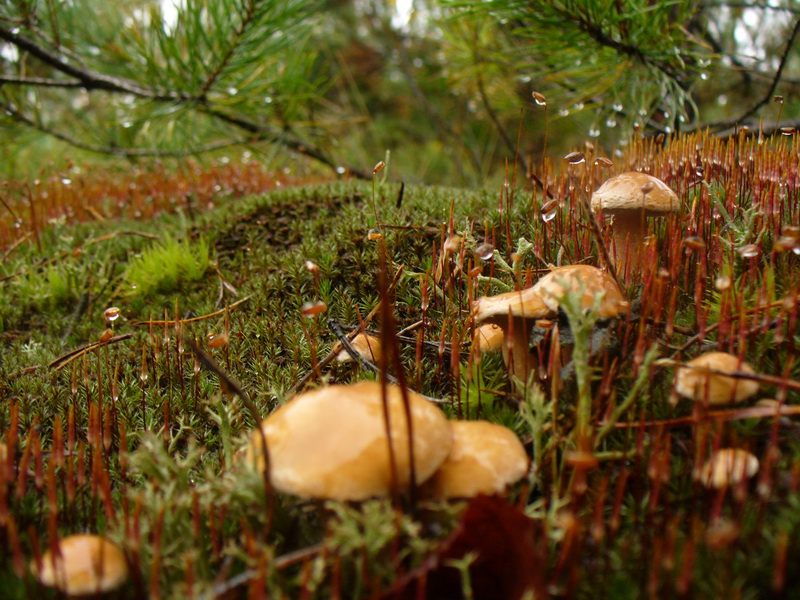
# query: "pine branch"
[[89, 79], [247, 21], [40, 82], [92, 80], [773, 86]]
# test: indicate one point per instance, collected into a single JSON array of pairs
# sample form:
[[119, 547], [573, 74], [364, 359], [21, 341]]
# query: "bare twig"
[[194, 319]]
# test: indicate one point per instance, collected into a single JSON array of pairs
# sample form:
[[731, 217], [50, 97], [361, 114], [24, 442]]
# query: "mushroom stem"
[[629, 231], [516, 349]]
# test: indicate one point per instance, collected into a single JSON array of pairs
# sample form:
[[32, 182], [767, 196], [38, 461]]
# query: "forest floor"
[[113, 424]]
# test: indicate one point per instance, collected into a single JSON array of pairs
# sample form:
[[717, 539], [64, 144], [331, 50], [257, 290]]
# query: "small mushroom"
[[541, 302], [515, 313], [367, 346], [696, 382], [485, 459], [331, 443], [489, 337], [727, 467], [87, 565], [630, 198]]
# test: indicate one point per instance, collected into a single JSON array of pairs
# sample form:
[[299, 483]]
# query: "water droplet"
[[15, 31], [267, 99], [563, 112], [617, 107], [575, 158], [549, 210], [694, 243], [485, 251], [232, 91], [312, 309], [341, 170], [374, 234], [749, 251], [578, 106], [611, 122], [788, 131], [66, 181], [785, 243], [217, 340], [594, 132], [539, 99], [703, 76], [604, 162], [112, 313], [722, 283]]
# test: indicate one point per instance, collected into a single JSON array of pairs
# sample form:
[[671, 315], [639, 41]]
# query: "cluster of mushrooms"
[[387, 439], [368, 453]]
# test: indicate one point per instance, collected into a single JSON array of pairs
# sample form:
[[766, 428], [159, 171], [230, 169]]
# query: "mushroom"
[[515, 314], [489, 337], [485, 459], [331, 443], [593, 282], [367, 346], [727, 467], [629, 198], [541, 302], [85, 565], [696, 382]]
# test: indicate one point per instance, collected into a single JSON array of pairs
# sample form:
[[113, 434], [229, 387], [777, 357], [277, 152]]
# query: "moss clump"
[[164, 267]]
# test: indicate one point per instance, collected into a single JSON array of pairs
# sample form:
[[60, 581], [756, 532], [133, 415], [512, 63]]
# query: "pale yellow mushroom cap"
[[331, 443], [485, 459], [551, 288], [625, 192], [490, 337], [89, 564], [368, 346], [728, 466], [697, 384], [522, 303]]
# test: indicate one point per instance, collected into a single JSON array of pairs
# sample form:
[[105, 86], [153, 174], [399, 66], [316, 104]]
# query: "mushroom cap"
[[490, 337], [553, 286], [697, 384], [728, 466], [624, 192], [89, 564], [485, 459], [368, 346], [520, 303], [331, 442]]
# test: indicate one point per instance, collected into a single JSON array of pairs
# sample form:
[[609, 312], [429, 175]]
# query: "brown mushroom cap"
[[331, 443], [593, 281], [89, 564], [728, 466], [489, 337], [696, 383], [625, 192], [368, 346], [485, 459]]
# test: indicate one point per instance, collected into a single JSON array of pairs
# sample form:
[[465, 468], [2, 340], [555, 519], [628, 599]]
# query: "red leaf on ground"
[[507, 561]]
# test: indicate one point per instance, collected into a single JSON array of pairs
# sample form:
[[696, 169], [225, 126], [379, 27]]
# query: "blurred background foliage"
[[448, 88]]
